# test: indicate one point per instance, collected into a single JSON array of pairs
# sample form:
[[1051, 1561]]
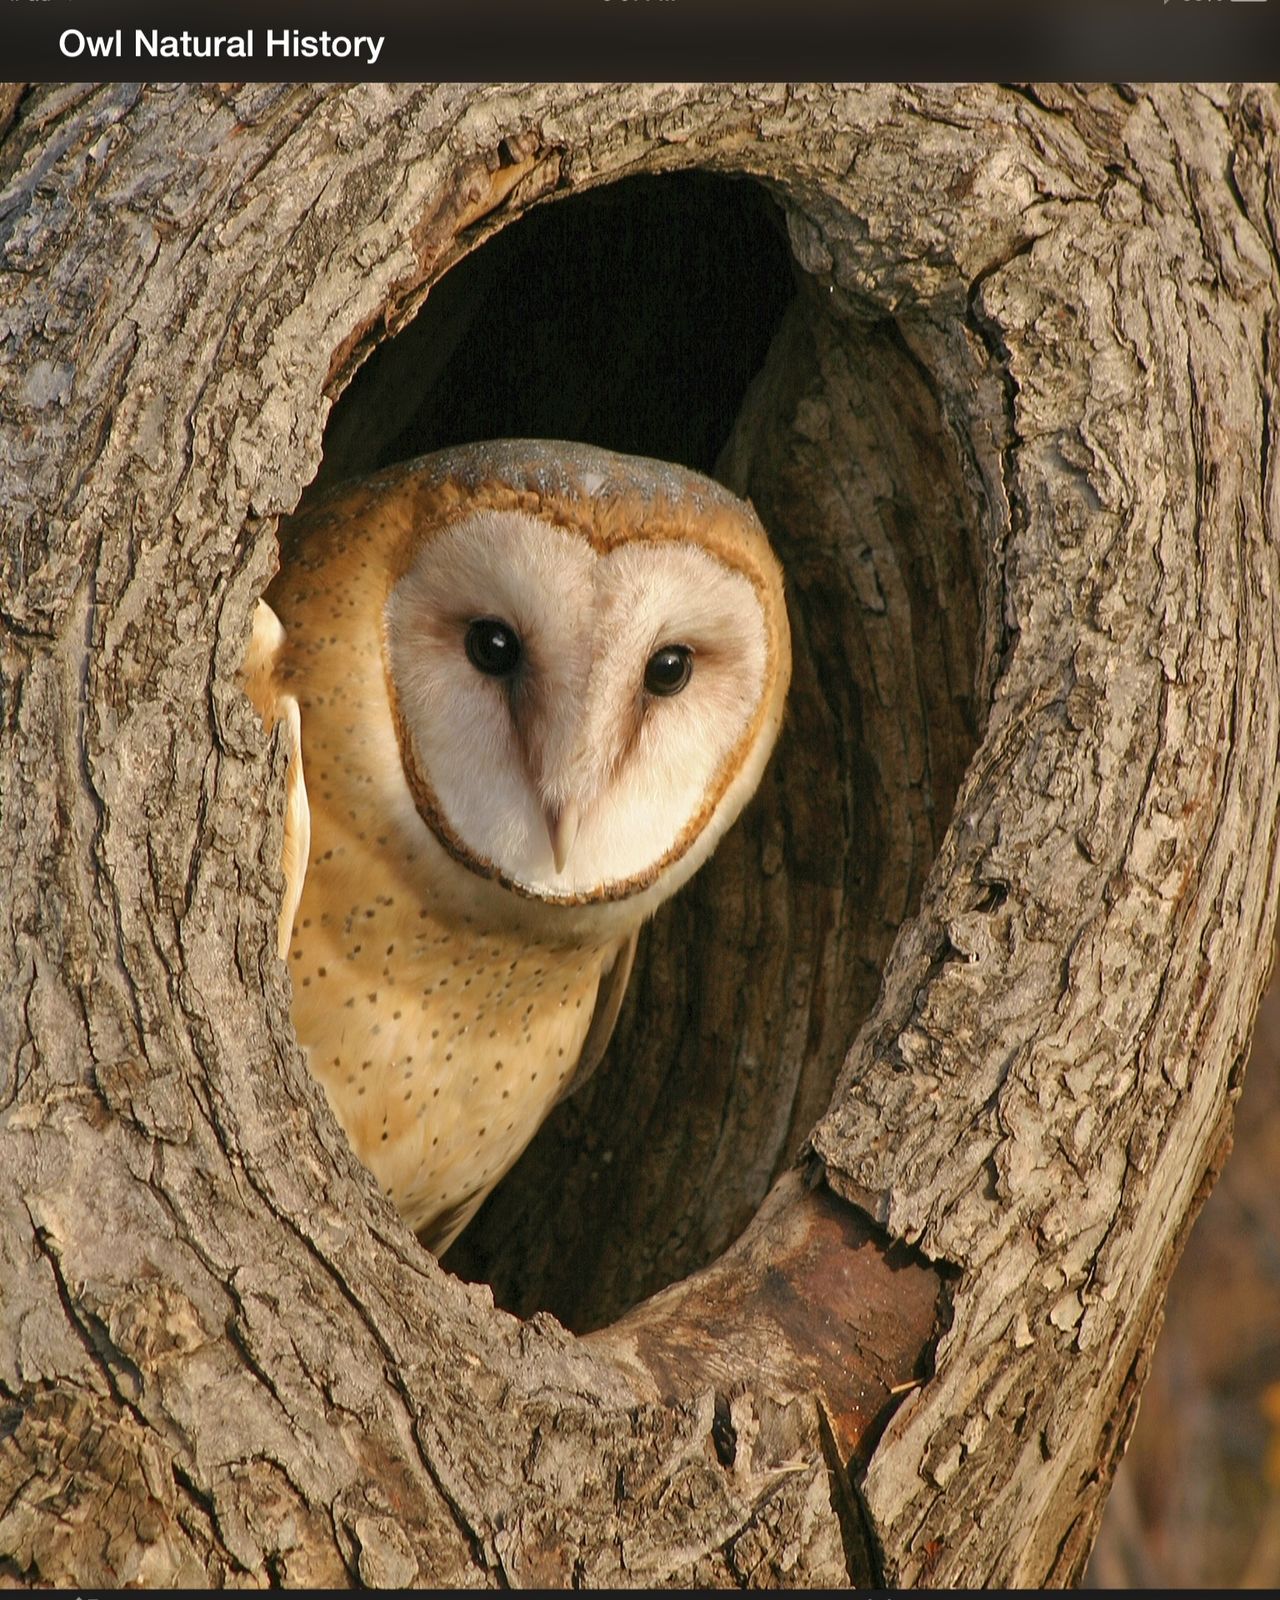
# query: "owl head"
[[586, 657]]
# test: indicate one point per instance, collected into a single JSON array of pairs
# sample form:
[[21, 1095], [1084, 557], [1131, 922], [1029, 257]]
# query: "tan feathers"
[[534, 682]]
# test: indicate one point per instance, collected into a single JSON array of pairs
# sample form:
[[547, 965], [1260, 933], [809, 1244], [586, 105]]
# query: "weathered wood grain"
[[998, 924]]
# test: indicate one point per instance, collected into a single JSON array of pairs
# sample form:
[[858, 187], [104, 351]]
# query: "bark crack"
[[988, 330], [471, 1524], [91, 1330]]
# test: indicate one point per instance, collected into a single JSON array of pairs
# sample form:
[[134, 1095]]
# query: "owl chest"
[[440, 1046]]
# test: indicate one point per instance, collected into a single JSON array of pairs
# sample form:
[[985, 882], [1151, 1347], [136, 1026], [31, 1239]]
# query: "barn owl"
[[526, 687]]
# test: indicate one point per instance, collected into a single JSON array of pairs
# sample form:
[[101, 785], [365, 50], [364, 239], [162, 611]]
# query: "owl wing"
[[278, 709], [613, 985]]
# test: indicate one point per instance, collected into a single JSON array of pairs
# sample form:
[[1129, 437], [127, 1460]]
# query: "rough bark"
[[1015, 441]]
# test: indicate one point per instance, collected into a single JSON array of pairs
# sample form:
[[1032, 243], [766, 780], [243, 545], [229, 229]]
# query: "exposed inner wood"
[[808, 1301]]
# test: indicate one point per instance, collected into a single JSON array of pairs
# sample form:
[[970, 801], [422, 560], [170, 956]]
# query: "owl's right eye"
[[493, 647]]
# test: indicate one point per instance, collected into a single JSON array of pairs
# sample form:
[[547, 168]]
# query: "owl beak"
[[562, 830]]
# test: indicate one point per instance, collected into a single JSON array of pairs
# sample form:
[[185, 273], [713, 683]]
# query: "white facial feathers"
[[569, 747]]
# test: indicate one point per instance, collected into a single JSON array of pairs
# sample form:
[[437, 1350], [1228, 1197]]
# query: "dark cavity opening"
[[665, 316], [632, 317]]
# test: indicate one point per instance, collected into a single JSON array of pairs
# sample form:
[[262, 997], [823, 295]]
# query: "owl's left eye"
[[493, 647], [669, 669]]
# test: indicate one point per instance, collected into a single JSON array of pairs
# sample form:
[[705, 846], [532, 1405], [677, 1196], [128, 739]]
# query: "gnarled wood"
[[1015, 441]]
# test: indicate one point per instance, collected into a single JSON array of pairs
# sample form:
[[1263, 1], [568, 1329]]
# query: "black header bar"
[[569, 40]]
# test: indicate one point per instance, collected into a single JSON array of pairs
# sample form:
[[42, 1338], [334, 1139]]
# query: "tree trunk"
[[997, 923]]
